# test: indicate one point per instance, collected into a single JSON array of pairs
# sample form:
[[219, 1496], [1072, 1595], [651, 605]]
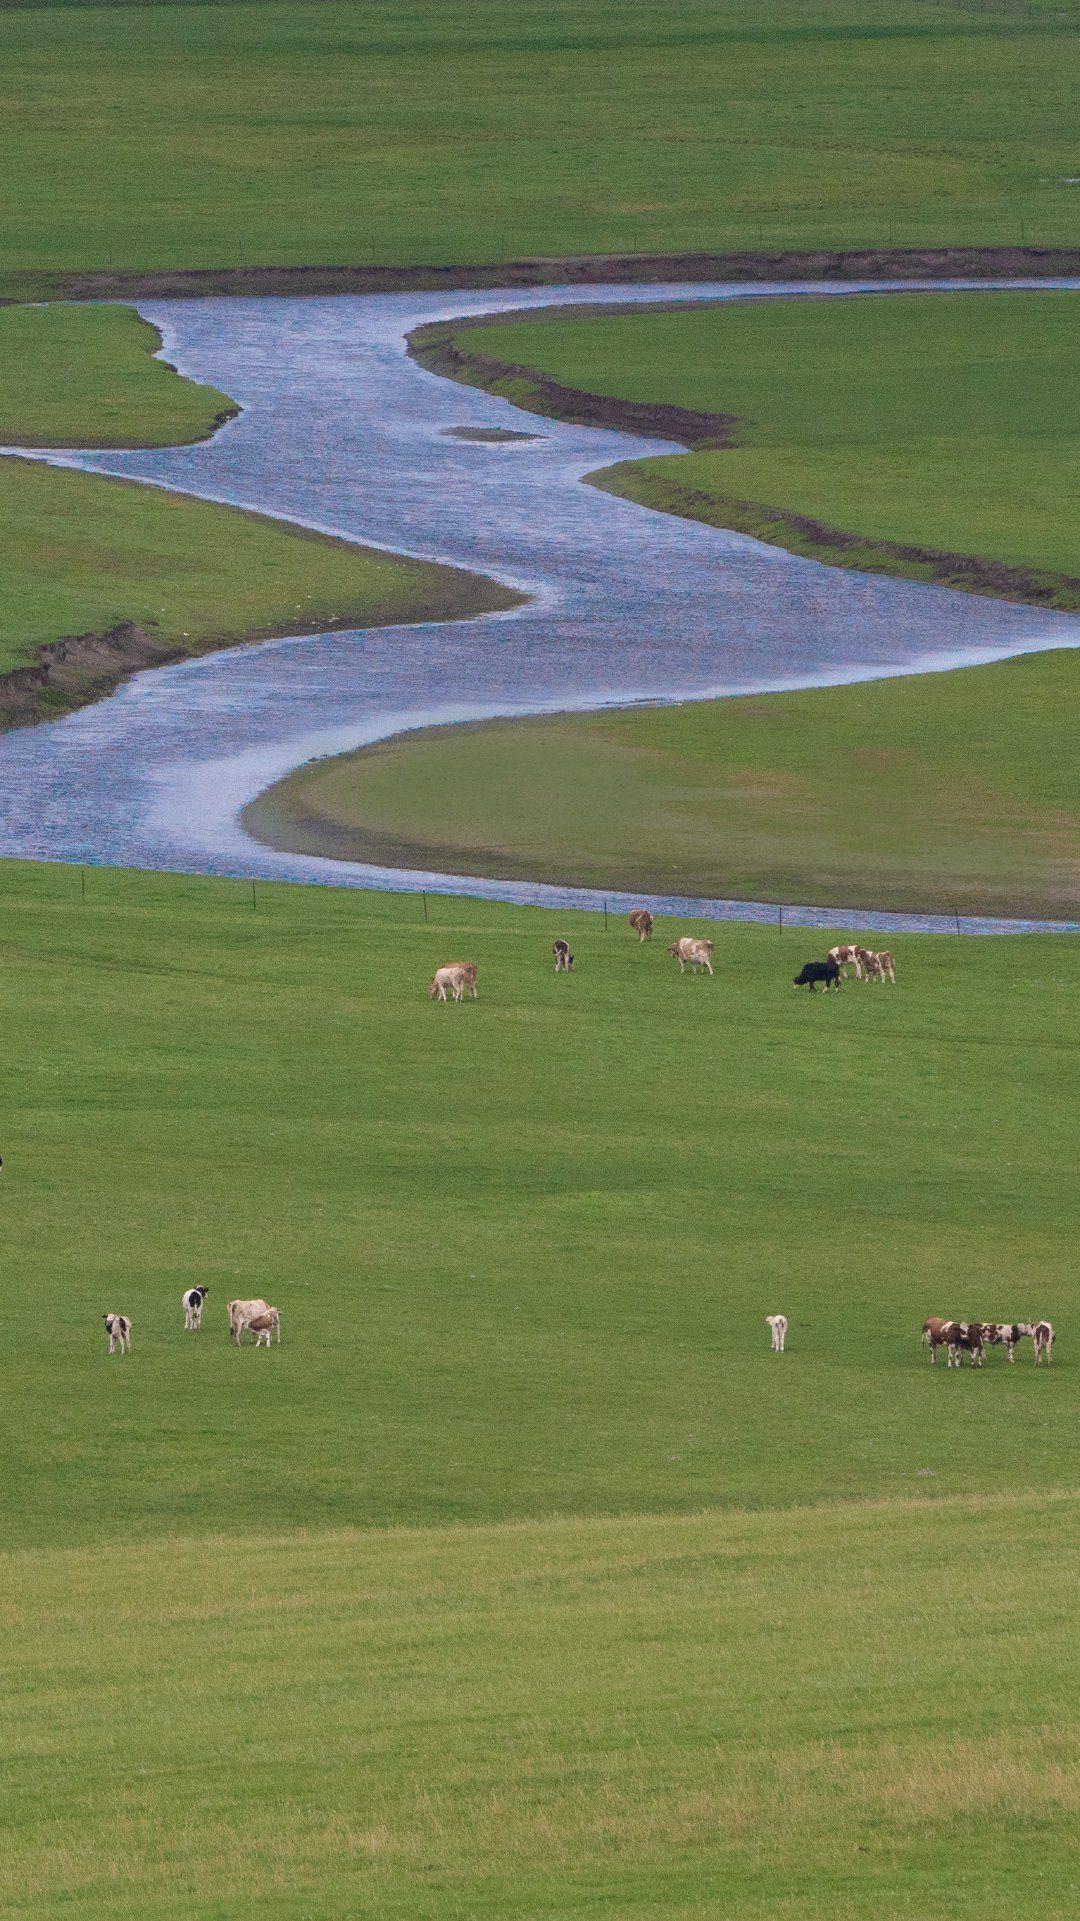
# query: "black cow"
[[814, 971]]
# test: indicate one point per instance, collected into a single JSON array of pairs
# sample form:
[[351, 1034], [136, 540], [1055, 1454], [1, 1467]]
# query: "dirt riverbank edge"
[[440, 347], [78, 669], [815, 263]]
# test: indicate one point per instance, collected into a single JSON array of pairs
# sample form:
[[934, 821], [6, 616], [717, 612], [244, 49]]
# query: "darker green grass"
[[522, 1247], [933, 792], [173, 136], [934, 437]]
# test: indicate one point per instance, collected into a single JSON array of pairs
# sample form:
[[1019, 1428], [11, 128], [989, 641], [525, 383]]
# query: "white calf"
[[777, 1326]]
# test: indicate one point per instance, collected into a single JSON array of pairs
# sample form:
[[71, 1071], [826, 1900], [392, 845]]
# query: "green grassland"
[[706, 1647], [699, 1717], [522, 1247], [140, 138], [83, 555], [930, 792], [945, 425]]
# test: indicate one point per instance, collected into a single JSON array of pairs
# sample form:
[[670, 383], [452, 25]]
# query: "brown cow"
[[642, 923]]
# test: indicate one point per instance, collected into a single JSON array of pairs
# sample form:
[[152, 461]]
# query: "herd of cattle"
[[974, 1337], [254, 1317], [458, 978]]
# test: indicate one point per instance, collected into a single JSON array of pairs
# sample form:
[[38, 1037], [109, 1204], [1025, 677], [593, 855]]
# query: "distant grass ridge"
[[332, 135], [932, 436], [932, 793]]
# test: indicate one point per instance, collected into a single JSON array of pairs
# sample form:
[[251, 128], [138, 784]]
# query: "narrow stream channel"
[[341, 431]]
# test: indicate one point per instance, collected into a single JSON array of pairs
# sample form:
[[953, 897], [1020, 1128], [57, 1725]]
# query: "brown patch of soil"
[[856, 263]]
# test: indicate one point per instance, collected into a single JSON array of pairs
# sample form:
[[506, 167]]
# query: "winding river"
[[341, 431]]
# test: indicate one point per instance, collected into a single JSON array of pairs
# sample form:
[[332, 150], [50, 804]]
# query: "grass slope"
[[522, 1247], [700, 1717], [938, 792], [948, 425], [84, 555], [402, 132]]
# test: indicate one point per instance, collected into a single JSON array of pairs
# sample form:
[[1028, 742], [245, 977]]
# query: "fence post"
[[424, 898], [82, 879], [254, 902], [781, 917], [605, 917]]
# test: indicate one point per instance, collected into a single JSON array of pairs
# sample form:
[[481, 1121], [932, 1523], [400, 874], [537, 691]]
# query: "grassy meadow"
[[941, 793], [723, 1634], [187, 136], [740, 1716], [83, 554], [945, 425]]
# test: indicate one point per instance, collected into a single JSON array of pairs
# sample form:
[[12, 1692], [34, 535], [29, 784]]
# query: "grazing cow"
[[871, 965], [457, 976], [240, 1313], [692, 953], [642, 923], [1006, 1334], [263, 1325], [847, 957], [777, 1326], [118, 1328], [192, 1305], [933, 1333], [1042, 1334], [965, 1337], [886, 966], [564, 959], [814, 971]]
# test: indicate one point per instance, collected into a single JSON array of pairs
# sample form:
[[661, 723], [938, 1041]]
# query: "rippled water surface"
[[342, 431]]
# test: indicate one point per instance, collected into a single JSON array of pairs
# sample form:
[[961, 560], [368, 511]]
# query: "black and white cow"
[[564, 959], [192, 1304], [118, 1328]]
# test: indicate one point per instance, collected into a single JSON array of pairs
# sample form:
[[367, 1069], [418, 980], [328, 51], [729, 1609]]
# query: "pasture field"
[[706, 1646], [838, 1712], [522, 1247], [883, 432], [138, 138], [944, 792], [82, 555]]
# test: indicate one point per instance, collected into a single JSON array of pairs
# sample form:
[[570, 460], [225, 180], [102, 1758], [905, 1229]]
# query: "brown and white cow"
[[965, 1337], [642, 923], [1006, 1334], [1042, 1333], [118, 1329], [263, 1325], [847, 957], [692, 953], [458, 976], [933, 1334], [564, 959]]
